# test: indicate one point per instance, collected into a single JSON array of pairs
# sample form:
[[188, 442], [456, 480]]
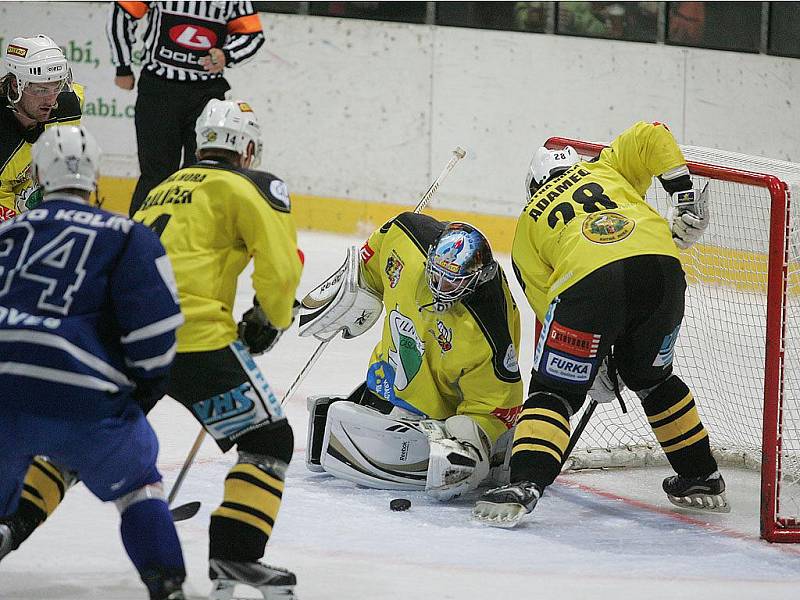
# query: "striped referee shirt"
[[179, 34]]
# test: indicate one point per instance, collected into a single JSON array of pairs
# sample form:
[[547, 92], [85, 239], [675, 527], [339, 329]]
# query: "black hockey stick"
[[576, 433], [186, 511]]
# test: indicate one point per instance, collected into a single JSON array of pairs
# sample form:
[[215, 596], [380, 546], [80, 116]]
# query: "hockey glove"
[[603, 389], [459, 456], [149, 391], [256, 332], [689, 216]]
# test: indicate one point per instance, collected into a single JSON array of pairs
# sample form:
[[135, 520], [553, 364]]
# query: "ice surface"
[[595, 535]]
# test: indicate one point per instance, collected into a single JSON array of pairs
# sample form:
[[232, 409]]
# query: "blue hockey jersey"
[[88, 311]]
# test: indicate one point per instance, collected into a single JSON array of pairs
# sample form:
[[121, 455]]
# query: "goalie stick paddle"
[[187, 511]]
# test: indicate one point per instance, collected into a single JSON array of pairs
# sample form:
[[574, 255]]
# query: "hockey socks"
[[152, 544]]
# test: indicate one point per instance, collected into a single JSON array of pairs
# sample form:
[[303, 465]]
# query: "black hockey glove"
[[256, 332], [149, 391]]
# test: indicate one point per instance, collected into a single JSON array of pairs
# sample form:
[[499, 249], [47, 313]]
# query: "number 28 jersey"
[[594, 214]]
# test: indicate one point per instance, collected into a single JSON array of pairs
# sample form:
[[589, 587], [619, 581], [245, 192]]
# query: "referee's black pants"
[[166, 113]]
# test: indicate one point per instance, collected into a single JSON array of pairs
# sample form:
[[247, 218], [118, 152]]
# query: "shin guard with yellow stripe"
[[672, 414], [540, 439], [241, 526]]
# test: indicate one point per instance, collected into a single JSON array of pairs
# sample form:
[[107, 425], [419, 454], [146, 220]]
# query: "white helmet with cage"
[[548, 163], [38, 65], [229, 125], [66, 157]]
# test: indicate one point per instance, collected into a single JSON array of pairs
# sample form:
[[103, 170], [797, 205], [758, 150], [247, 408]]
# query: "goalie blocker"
[[366, 440]]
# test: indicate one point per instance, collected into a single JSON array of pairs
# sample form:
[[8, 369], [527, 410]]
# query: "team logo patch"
[[508, 415], [244, 107], [563, 367], [210, 135], [607, 227], [280, 192], [366, 252], [7, 213], [16, 50], [394, 266], [406, 358], [667, 350], [444, 336], [510, 359], [193, 37], [572, 341]]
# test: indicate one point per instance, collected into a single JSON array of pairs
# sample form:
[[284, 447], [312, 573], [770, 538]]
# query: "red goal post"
[[739, 348]]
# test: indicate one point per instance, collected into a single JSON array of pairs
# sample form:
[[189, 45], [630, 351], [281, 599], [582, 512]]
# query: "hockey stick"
[[576, 434], [186, 511]]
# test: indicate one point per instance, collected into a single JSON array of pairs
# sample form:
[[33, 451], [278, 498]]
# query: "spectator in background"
[[187, 45], [687, 22], [530, 16]]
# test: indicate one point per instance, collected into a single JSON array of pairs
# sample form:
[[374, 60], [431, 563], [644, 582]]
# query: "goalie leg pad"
[[459, 456], [374, 450]]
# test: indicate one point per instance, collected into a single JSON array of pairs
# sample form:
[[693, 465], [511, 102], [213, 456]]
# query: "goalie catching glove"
[[340, 303], [256, 332], [459, 456], [689, 216]]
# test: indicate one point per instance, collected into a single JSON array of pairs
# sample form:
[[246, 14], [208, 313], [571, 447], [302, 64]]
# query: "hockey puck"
[[399, 504]]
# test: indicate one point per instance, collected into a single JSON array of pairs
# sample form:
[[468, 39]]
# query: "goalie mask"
[[229, 125], [546, 164], [459, 262], [38, 65]]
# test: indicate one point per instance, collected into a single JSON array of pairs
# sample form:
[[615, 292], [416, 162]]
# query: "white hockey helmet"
[[66, 156], [229, 125], [38, 65], [548, 163]]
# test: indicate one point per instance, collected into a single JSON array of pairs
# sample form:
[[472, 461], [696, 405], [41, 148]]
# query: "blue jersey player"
[[88, 313]]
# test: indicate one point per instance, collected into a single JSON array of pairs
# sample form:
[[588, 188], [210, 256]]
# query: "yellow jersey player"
[[212, 218], [601, 269], [35, 93], [443, 382]]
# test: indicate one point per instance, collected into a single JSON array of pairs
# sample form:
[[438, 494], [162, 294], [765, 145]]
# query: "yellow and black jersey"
[[594, 214], [16, 142], [462, 361], [212, 218]]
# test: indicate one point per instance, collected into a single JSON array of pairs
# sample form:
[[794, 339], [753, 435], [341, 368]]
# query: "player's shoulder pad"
[[420, 229], [69, 108], [489, 309], [10, 139], [273, 189]]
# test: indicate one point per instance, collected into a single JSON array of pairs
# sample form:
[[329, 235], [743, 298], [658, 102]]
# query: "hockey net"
[[739, 345]]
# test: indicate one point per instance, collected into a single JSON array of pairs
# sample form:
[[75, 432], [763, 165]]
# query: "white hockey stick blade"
[[506, 515], [703, 502]]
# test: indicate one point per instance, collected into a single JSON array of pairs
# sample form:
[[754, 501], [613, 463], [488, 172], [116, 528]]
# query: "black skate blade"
[[184, 511]]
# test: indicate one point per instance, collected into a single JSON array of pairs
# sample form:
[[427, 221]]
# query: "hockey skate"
[[699, 493], [273, 583], [505, 506], [7, 543]]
